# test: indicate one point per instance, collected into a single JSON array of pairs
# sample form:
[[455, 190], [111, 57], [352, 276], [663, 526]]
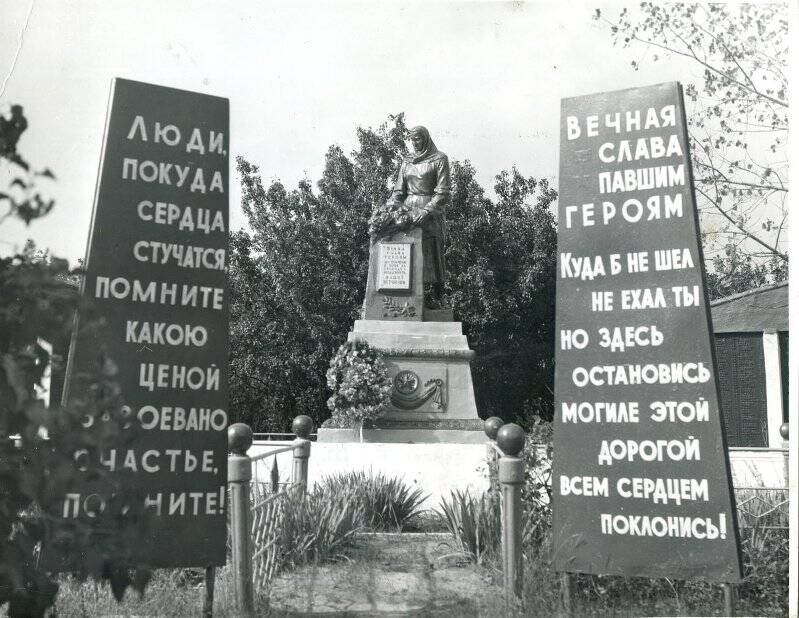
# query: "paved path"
[[390, 575]]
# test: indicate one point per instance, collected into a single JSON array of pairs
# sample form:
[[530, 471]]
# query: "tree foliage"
[[736, 272], [38, 467], [298, 278], [738, 118], [21, 197], [501, 261]]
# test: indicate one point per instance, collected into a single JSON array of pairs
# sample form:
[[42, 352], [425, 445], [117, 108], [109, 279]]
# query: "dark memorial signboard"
[[156, 274], [641, 477]]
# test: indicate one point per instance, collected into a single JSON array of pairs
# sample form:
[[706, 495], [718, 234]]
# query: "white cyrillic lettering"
[[148, 171], [170, 291], [195, 142], [163, 173], [216, 142], [138, 125], [71, 504], [577, 338], [150, 502], [161, 134], [177, 502], [183, 173], [198, 184], [216, 182], [148, 410], [572, 127]]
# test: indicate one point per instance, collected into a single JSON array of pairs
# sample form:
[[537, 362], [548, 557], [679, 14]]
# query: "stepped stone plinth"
[[433, 396]]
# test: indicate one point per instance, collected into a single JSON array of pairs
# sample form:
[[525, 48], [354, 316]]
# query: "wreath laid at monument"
[[361, 387]]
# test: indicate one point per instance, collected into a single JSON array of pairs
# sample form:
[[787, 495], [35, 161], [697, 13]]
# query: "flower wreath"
[[390, 215], [358, 377]]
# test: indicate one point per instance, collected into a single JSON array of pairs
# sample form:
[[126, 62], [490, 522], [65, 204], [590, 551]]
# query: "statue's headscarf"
[[428, 147]]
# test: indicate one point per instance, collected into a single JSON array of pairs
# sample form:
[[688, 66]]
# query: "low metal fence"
[[258, 499]]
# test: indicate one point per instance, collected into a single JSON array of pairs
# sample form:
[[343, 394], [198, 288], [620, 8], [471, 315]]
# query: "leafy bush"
[[37, 473], [385, 504], [475, 524], [316, 527]]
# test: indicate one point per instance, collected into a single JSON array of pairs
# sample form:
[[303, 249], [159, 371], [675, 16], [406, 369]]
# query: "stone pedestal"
[[394, 285], [433, 396]]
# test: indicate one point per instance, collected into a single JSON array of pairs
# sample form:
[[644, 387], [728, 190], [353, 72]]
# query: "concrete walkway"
[[390, 575]]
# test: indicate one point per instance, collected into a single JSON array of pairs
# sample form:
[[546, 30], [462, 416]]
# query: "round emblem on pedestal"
[[406, 382]]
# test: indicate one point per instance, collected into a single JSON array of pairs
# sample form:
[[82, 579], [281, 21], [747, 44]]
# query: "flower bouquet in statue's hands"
[[391, 217]]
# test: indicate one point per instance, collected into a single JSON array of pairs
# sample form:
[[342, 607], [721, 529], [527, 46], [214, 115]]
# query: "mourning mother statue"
[[419, 199]]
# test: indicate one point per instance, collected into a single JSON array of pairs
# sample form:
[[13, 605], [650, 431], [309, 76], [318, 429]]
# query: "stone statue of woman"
[[423, 187]]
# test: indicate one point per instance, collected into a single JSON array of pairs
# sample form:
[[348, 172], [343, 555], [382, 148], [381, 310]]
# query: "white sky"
[[485, 78]]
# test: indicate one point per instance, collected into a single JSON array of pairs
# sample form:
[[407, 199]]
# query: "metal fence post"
[[491, 427], [729, 599], [301, 426], [239, 475], [784, 435], [510, 439], [566, 593]]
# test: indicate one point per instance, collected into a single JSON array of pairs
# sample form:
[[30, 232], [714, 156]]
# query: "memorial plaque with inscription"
[[394, 266], [641, 476], [156, 275], [394, 284]]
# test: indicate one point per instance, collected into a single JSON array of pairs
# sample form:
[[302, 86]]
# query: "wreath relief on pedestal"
[[408, 393]]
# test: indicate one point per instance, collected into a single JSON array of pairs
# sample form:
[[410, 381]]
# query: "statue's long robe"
[[424, 184]]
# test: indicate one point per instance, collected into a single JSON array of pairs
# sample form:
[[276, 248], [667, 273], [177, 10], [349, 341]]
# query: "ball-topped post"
[[239, 474], [302, 426], [239, 438], [510, 438], [491, 426], [785, 463]]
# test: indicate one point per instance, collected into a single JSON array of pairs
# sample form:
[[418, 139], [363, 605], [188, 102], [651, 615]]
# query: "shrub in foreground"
[[474, 521], [316, 527], [384, 503]]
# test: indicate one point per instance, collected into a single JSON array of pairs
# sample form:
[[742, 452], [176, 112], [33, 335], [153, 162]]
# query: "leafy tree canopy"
[[21, 197], [298, 278], [738, 122]]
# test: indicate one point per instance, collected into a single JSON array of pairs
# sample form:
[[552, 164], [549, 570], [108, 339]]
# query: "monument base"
[[432, 399], [407, 432], [436, 469]]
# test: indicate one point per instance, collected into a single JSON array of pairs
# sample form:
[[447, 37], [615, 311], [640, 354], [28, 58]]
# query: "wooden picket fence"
[[268, 497], [762, 508]]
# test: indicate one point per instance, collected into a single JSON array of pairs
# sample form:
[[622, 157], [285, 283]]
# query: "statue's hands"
[[420, 215]]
